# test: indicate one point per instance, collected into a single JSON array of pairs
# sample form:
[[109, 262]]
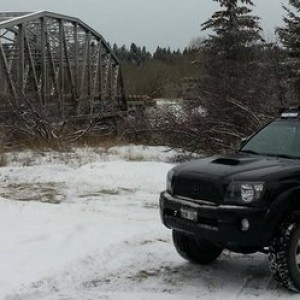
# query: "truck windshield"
[[279, 138]]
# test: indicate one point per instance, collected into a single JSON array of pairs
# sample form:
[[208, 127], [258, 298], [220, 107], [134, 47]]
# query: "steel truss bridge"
[[59, 63]]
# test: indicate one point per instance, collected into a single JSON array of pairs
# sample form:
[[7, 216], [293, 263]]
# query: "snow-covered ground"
[[86, 226]]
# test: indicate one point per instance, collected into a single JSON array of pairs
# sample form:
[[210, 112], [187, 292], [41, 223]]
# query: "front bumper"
[[218, 224]]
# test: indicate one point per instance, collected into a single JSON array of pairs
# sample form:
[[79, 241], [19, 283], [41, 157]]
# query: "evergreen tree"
[[290, 33], [157, 53], [290, 38], [234, 28], [145, 55], [229, 86], [133, 48], [115, 48]]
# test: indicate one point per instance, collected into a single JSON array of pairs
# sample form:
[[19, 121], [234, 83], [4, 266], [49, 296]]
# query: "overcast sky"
[[151, 23]]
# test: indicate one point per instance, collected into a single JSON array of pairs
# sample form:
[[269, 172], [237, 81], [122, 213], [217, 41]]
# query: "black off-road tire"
[[284, 256], [195, 250]]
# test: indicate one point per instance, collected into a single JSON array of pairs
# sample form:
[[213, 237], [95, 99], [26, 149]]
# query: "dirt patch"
[[43, 192], [151, 205], [113, 192]]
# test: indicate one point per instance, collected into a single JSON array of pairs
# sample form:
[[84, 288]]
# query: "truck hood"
[[238, 166]]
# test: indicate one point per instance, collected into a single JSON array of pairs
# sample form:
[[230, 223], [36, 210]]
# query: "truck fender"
[[282, 207]]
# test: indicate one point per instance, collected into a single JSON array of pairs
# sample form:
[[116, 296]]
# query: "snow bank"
[[98, 234]]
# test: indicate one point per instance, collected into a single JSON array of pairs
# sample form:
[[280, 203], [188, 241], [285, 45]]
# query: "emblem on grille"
[[196, 190]]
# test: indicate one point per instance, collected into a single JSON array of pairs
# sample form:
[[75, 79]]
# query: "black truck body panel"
[[219, 224], [201, 186]]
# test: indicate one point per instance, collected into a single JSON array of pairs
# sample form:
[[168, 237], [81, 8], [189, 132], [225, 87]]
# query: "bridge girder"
[[57, 60]]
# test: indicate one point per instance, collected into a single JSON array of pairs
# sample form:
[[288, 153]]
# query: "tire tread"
[[278, 255]]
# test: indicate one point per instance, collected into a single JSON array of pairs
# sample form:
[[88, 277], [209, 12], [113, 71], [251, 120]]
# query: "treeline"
[[137, 55], [157, 74], [240, 80]]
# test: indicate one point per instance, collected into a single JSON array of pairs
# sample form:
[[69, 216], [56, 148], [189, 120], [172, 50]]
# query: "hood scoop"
[[226, 161]]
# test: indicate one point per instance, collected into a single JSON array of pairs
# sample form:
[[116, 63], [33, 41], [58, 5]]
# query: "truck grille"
[[197, 189]]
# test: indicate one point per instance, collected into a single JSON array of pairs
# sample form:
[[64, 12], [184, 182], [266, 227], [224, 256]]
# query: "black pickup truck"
[[245, 202]]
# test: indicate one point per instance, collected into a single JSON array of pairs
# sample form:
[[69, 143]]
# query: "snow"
[[84, 224]]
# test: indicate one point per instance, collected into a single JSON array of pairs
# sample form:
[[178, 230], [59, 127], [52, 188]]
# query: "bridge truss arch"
[[57, 61]]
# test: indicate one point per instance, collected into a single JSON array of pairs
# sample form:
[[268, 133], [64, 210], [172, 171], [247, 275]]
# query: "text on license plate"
[[189, 214]]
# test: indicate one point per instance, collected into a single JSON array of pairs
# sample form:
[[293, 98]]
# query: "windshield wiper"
[[271, 155], [250, 152], [283, 156]]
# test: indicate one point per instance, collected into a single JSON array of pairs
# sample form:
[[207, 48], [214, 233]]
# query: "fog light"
[[245, 225]]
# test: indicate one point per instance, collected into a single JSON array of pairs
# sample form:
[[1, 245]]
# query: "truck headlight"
[[244, 192], [251, 192], [170, 180]]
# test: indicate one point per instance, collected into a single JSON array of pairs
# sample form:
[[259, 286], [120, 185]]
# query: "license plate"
[[189, 214]]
